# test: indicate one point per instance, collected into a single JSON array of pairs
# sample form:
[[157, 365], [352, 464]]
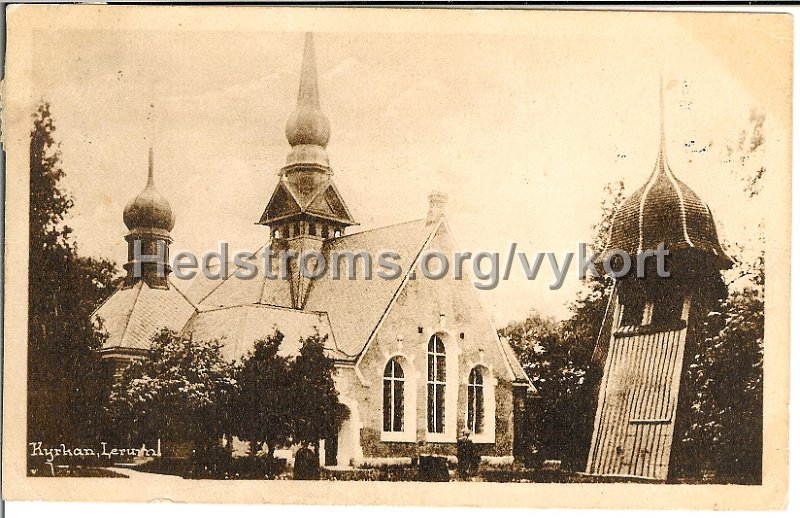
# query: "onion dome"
[[149, 209], [307, 129], [665, 210]]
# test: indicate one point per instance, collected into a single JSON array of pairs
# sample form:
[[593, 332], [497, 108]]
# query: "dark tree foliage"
[[725, 381], [181, 393], [66, 379], [262, 407], [316, 410]]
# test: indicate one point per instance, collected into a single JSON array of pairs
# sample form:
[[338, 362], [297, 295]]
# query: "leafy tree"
[[262, 407], [181, 392], [726, 384], [317, 412], [66, 379]]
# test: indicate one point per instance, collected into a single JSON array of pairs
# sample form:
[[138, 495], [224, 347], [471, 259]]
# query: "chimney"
[[437, 201]]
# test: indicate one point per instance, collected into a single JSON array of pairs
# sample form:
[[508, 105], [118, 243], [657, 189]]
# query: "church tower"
[[306, 209], [649, 333], [150, 220]]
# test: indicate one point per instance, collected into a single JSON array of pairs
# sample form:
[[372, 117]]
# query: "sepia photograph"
[[515, 257]]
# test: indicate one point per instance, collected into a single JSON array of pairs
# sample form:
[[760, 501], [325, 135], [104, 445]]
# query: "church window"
[[436, 384], [285, 232], [337, 233], [475, 404], [312, 229], [276, 234], [393, 387], [325, 231], [296, 229]]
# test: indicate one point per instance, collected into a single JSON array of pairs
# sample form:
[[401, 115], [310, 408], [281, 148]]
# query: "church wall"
[[451, 309]]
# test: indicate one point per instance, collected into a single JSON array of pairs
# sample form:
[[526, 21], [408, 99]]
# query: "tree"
[[180, 393], [726, 383], [262, 407], [66, 379], [317, 412]]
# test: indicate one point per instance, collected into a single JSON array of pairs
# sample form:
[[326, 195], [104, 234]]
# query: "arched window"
[[436, 384], [393, 385], [475, 401]]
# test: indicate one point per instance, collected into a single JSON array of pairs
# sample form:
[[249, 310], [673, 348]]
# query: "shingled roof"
[[665, 211], [239, 327], [134, 314], [355, 306], [233, 291]]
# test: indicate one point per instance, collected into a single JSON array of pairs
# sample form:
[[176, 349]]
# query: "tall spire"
[[662, 138], [307, 129], [150, 166], [308, 94]]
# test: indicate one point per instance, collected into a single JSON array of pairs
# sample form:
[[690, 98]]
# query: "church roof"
[[234, 291], [356, 306], [353, 306], [239, 327], [513, 362], [134, 314]]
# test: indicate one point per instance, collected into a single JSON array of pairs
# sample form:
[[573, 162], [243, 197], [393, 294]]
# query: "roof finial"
[[150, 166], [662, 138]]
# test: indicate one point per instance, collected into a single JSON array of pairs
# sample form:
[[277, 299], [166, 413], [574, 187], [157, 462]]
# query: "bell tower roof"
[[665, 210]]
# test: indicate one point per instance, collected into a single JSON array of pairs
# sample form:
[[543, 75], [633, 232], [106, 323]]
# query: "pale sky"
[[521, 129]]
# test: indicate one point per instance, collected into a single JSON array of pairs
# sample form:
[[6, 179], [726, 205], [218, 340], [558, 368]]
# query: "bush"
[[433, 469], [386, 473]]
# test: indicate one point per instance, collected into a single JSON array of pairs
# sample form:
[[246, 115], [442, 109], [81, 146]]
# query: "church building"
[[649, 335], [418, 360]]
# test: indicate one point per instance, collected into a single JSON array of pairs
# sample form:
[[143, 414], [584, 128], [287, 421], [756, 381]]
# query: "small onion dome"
[[665, 210], [149, 209]]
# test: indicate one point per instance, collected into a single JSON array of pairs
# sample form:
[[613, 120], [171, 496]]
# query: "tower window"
[[337, 233], [436, 384], [312, 229], [325, 231], [276, 233], [285, 231], [296, 229]]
